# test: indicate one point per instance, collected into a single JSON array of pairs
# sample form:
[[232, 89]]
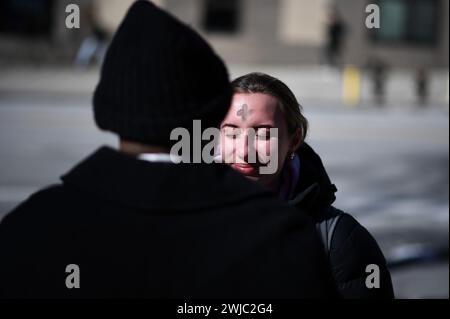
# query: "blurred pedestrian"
[[94, 45], [138, 225], [421, 82], [335, 36], [301, 179], [378, 70]]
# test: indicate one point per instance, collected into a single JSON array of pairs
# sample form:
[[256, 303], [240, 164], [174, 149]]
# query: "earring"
[[292, 156]]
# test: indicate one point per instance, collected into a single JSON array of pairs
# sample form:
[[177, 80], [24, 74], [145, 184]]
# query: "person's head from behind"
[[263, 124], [153, 81]]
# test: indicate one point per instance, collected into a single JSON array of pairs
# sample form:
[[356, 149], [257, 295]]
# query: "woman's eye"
[[263, 136], [232, 134]]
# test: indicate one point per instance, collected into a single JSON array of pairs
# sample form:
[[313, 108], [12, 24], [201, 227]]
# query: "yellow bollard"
[[351, 85]]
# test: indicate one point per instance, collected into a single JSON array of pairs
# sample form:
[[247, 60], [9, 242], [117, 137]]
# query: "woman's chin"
[[252, 175], [255, 179], [266, 182], [246, 169]]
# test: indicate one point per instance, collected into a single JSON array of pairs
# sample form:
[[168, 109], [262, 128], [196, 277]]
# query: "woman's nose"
[[242, 149], [246, 149]]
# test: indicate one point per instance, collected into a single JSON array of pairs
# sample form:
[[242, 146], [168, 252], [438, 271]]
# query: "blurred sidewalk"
[[318, 85], [48, 81]]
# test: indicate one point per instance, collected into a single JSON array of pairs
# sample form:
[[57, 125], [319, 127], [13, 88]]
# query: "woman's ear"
[[296, 140]]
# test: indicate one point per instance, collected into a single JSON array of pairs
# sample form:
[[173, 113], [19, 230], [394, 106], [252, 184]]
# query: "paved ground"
[[310, 83]]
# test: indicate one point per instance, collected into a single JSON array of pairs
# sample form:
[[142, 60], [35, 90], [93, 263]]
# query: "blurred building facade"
[[412, 33]]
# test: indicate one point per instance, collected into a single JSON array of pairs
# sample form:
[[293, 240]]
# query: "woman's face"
[[255, 125]]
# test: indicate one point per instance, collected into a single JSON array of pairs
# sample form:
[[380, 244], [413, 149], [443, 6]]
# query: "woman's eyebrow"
[[229, 125], [264, 126], [269, 126]]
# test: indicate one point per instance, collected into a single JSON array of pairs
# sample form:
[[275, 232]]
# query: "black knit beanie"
[[159, 74]]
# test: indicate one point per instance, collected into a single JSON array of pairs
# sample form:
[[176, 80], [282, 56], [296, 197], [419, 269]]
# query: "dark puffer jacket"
[[350, 248]]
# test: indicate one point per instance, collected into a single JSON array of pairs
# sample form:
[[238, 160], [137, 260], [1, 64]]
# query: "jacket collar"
[[314, 190], [117, 177]]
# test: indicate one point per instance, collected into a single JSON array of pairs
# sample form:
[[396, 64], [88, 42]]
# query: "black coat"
[[141, 229], [351, 247]]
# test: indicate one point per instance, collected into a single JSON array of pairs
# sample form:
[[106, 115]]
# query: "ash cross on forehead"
[[244, 112]]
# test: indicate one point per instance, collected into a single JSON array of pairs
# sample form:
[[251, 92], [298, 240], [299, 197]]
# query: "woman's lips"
[[245, 169]]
